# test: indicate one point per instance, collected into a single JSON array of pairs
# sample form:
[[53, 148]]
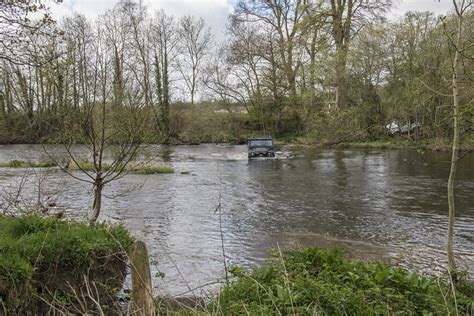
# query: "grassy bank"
[[325, 282], [26, 164], [435, 144], [89, 166], [42, 259], [130, 168]]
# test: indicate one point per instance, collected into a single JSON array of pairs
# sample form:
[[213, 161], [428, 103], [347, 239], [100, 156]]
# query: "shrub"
[[314, 281]]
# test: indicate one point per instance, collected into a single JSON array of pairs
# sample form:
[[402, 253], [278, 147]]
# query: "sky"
[[215, 12]]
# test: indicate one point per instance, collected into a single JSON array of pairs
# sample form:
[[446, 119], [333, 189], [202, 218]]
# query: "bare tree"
[[461, 7], [118, 29], [195, 40], [284, 18], [19, 27], [139, 60], [117, 133]]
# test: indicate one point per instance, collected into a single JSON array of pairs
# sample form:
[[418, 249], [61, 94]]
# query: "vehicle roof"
[[260, 137]]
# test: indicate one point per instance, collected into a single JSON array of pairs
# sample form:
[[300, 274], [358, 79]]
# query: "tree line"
[[320, 68]]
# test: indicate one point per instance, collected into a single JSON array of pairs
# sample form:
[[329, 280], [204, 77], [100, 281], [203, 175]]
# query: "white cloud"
[[436, 6], [214, 12]]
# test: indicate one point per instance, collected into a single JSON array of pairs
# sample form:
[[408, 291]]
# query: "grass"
[[325, 282], [88, 166], [132, 169], [27, 164], [436, 144], [391, 143], [152, 170], [31, 241], [40, 254]]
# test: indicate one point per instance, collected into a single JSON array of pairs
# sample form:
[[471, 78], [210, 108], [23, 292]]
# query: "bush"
[[209, 123], [41, 258], [314, 281]]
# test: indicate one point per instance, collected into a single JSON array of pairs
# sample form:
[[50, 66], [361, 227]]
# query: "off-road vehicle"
[[261, 146]]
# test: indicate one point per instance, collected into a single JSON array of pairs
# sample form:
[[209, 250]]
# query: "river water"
[[380, 204]]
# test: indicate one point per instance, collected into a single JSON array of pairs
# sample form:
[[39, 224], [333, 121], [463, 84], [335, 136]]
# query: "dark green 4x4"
[[261, 146]]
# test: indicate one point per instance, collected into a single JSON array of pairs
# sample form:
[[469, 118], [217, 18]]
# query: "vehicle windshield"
[[261, 143]]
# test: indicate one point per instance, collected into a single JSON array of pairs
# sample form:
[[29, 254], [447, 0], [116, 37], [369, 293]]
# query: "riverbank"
[[434, 144], [43, 261], [51, 264], [314, 281]]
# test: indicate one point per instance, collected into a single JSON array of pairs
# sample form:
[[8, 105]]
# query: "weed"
[[325, 282]]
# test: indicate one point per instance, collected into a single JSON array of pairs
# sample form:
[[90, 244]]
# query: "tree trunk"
[[341, 56], [166, 105], [455, 154], [97, 199]]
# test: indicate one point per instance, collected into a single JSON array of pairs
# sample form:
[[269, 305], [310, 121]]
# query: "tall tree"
[[347, 18], [461, 7], [195, 41], [283, 17], [117, 29], [165, 39], [98, 128]]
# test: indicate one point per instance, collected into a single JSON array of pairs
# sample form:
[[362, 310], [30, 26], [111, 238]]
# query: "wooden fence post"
[[142, 292]]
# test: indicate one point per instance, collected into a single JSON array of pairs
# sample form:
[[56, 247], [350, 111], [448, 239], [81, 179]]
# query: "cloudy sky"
[[215, 12]]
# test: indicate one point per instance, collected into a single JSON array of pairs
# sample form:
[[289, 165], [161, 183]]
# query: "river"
[[386, 205]]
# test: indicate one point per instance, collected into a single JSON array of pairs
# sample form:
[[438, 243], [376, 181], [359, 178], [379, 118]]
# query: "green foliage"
[[32, 244], [27, 164], [153, 170], [335, 126], [314, 281], [87, 166], [209, 123], [386, 143]]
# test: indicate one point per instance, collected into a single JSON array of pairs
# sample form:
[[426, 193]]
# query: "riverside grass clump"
[[89, 166], [324, 282], [131, 168], [152, 170], [44, 260], [27, 164]]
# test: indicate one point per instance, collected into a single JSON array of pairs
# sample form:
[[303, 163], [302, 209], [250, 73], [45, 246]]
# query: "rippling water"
[[388, 205]]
